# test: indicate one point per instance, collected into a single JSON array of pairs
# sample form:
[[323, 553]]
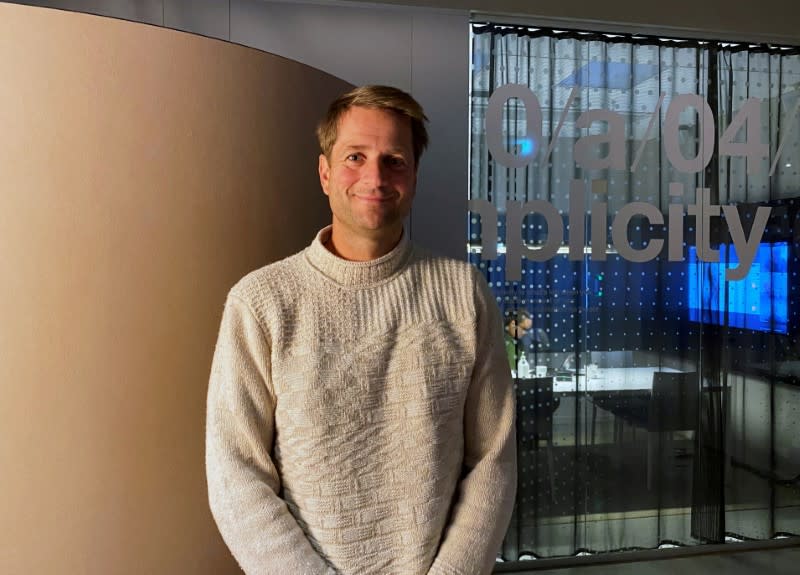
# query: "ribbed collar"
[[356, 274]]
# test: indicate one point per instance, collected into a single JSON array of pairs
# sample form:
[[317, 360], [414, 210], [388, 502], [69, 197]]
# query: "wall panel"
[[143, 172]]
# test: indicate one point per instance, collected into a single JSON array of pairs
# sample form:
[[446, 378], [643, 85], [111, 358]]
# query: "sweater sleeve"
[[485, 494], [243, 483]]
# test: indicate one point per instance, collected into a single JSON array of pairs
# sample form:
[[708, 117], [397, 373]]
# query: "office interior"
[[596, 478]]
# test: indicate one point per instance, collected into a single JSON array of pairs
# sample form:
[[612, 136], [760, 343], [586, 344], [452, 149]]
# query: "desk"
[[609, 379], [607, 387]]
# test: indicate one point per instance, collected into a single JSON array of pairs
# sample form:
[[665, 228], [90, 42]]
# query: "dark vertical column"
[[708, 492]]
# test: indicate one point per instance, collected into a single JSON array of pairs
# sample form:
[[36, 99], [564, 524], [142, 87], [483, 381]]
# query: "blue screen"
[[758, 301]]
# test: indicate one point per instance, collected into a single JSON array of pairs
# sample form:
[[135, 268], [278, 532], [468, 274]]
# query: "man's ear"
[[324, 173]]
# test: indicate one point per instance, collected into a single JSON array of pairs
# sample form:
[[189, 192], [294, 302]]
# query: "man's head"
[[518, 322], [371, 140], [384, 98]]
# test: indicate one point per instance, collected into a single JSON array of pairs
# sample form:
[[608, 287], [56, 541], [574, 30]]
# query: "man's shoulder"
[[427, 259], [457, 279], [459, 276], [272, 278]]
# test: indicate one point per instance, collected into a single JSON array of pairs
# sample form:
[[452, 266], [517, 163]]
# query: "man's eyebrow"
[[359, 147], [348, 147]]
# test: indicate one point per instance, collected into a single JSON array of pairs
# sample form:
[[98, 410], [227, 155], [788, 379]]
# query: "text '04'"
[[526, 149]]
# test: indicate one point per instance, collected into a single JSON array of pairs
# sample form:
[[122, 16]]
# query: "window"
[[606, 174]]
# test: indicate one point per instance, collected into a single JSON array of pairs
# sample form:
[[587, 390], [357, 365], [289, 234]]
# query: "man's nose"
[[375, 172]]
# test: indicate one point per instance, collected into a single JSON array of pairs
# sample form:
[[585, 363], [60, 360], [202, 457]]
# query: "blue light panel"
[[757, 302]]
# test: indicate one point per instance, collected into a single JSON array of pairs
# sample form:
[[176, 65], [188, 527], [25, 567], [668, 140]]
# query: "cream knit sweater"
[[361, 417]]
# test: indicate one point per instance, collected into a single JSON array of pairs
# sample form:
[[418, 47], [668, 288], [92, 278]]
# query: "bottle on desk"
[[523, 367]]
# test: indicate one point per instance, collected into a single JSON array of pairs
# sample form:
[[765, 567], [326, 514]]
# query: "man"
[[360, 408], [517, 325], [520, 336]]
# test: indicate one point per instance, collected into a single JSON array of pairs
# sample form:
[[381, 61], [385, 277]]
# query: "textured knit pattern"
[[361, 417]]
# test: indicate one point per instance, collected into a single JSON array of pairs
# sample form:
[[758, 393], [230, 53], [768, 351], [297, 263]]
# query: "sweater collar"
[[356, 274]]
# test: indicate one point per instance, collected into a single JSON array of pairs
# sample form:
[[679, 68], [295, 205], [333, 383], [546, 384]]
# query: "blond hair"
[[378, 97]]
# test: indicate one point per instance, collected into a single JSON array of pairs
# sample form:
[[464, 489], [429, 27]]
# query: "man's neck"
[[361, 249]]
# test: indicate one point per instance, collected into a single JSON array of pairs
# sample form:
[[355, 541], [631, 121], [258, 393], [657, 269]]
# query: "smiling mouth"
[[375, 199]]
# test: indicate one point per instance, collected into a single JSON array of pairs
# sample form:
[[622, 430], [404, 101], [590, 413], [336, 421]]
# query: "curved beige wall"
[[142, 172]]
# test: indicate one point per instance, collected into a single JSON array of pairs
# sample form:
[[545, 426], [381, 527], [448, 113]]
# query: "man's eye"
[[352, 158], [396, 162]]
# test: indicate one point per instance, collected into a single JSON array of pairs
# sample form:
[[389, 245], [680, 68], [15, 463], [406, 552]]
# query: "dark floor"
[[782, 561]]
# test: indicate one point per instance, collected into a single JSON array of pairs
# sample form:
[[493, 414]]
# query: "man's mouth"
[[374, 199]]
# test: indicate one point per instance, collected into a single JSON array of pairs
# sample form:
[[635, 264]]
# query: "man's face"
[[515, 330], [370, 176]]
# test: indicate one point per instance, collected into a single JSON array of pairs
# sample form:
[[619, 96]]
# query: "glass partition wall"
[[634, 207]]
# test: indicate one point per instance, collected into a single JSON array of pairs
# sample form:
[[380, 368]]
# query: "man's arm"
[[485, 495], [242, 480]]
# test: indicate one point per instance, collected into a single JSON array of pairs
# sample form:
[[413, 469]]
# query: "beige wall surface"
[[142, 172]]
